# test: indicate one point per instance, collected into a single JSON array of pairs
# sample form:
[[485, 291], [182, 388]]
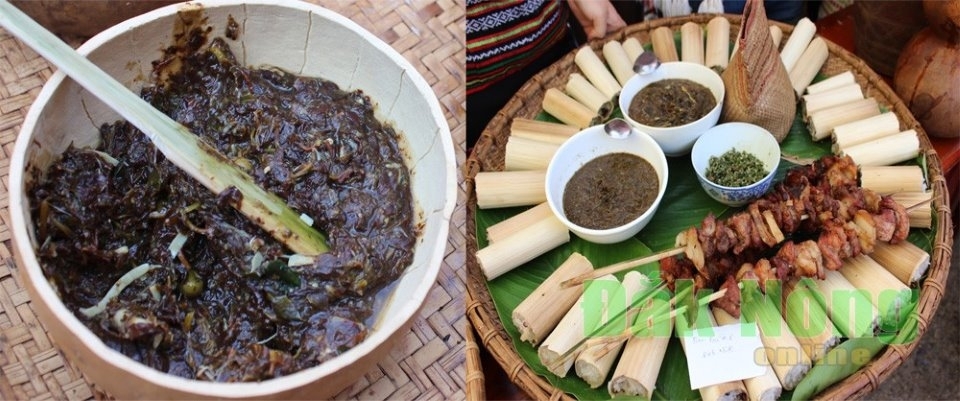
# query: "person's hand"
[[598, 17]]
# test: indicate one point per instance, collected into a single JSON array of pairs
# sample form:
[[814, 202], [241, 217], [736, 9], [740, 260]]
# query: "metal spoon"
[[646, 63], [617, 128]]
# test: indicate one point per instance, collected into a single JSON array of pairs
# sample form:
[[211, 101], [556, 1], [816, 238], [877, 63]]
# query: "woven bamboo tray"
[[427, 364], [488, 155]]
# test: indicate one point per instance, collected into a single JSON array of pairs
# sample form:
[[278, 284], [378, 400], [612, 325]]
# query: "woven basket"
[[488, 155]]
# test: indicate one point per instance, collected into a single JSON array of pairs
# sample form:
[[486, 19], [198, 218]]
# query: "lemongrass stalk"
[[118, 287], [184, 149]]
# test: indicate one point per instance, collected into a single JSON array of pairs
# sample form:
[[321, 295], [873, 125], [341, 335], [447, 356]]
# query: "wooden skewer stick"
[[618, 267], [629, 264]]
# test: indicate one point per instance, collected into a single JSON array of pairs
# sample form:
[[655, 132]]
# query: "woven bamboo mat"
[[488, 155], [427, 364]]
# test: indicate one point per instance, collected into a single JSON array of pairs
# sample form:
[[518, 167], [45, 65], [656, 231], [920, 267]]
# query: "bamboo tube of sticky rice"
[[886, 292], [886, 180], [718, 43], [808, 65], [522, 246], [567, 109], [584, 92], [636, 373], [851, 311], [663, 44], [619, 61], [784, 352], [836, 81], [598, 74], [797, 43], [906, 261], [860, 131], [891, 149], [543, 131], [831, 98], [765, 387], [595, 361], [919, 209], [539, 312], [570, 331], [528, 154], [822, 122], [729, 391], [691, 42], [510, 188], [633, 48], [515, 223], [808, 320]]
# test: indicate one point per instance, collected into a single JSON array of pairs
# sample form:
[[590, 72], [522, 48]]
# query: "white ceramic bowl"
[[587, 145], [295, 36], [676, 141], [744, 137]]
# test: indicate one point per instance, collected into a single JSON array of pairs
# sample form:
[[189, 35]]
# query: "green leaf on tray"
[[836, 365]]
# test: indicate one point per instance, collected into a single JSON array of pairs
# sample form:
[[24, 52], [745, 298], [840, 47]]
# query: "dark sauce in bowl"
[[671, 103], [610, 191], [229, 305]]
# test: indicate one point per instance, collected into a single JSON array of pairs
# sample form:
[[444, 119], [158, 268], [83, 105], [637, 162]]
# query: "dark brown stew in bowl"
[[671, 102], [212, 296], [610, 191]]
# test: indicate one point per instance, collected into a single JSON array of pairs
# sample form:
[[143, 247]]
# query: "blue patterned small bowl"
[[743, 137]]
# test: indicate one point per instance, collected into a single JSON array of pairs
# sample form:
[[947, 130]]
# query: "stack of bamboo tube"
[[836, 108], [521, 238]]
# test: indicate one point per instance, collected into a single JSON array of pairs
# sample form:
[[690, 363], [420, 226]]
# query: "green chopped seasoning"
[[735, 168]]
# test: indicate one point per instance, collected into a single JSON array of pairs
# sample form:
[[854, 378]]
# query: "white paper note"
[[723, 354]]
